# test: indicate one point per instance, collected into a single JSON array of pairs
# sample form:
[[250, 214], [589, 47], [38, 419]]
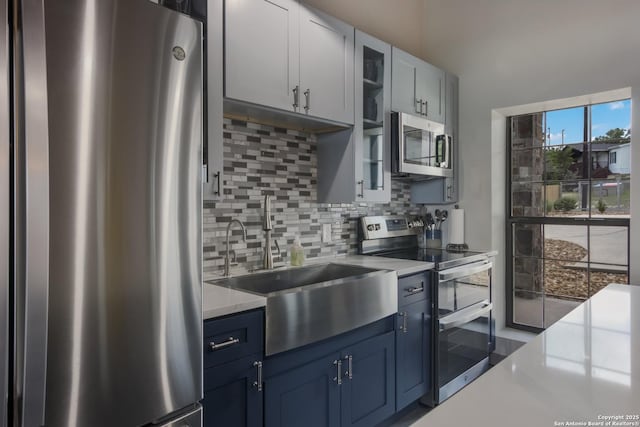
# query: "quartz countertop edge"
[[585, 368], [219, 300]]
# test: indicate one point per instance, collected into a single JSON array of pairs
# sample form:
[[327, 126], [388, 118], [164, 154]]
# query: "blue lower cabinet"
[[368, 385], [306, 396], [232, 396], [413, 352], [351, 387]]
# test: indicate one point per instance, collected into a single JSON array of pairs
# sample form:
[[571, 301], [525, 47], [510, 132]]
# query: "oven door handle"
[[466, 315], [465, 270]]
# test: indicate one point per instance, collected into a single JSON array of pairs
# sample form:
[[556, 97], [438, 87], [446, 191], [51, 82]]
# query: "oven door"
[[420, 147], [464, 343], [464, 326]]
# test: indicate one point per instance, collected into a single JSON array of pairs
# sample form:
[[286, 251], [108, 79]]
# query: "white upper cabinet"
[[326, 66], [261, 51], [417, 86], [282, 54]]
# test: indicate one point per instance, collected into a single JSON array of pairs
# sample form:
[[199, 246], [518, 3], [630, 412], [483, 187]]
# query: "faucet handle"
[[279, 253]]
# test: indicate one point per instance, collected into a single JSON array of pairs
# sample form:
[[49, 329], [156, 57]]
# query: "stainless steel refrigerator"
[[100, 214]]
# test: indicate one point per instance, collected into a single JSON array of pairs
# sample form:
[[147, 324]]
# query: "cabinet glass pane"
[[373, 153], [373, 119]]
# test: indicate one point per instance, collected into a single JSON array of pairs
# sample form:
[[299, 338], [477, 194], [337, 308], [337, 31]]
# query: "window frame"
[[547, 220]]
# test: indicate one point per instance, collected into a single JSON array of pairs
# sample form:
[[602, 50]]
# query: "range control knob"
[[370, 227]]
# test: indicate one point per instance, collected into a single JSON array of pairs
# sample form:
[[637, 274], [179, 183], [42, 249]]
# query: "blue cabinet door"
[[368, 383], [232, 397], [413, 352], [306, 396]]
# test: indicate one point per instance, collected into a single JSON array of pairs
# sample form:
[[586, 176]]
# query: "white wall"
[[398, 22], [517, 52], [622, 163]]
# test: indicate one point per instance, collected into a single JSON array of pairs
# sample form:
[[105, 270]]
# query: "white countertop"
[[402, 267], [220, 301], [584, 368]]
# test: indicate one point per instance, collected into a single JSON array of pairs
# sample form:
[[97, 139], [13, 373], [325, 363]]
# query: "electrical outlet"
[[326, 233]]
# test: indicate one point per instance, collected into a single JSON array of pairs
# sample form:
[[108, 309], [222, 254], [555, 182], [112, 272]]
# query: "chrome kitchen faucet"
[[244, 239]]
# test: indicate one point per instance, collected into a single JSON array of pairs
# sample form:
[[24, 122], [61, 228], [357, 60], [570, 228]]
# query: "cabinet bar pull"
[[361, 184], [217, 177], [307, 97], [426, 108], [338, 378], [296, 96], [349, 372], [419, 106], [231, 341], [258, 383], [414, 290]]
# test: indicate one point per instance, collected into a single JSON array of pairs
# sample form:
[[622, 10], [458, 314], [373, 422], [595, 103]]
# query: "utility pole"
[[562, 136]]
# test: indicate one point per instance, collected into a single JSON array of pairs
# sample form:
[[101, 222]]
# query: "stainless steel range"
[[463, 326]]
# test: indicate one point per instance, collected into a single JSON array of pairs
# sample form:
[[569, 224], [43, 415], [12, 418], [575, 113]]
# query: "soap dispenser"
[[297, 252]]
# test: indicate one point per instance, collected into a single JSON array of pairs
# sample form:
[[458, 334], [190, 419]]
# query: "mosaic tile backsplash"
[[260, 160]]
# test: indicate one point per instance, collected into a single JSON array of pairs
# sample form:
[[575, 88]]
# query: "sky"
[[604, 117]]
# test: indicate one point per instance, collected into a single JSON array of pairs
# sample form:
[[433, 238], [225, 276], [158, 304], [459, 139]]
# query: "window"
[[568, 209]]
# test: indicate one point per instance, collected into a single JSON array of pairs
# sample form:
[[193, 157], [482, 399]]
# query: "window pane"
[[527, 165], [566, 279], [527, 131], [603, 275], [527, 199], [527, 308], [556, 308], [565, 242], [608, 245], [611, 122], [565, 126], [528, 274], [527, 240], [567, 198], [610, 197], [564, 162]]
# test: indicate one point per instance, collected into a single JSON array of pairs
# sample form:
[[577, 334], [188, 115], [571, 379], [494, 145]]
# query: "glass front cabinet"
[[372, 131], [354, 165]]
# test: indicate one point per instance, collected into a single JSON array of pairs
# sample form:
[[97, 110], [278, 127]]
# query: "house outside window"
[[568, 210]]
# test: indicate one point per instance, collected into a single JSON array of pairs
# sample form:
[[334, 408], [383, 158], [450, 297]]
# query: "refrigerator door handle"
[[32, 204], [4, 214]]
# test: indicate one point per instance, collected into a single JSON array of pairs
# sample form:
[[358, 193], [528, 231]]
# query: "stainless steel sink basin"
[[308, 304]]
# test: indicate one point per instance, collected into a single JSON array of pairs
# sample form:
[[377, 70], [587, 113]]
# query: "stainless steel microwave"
[[420, 147]]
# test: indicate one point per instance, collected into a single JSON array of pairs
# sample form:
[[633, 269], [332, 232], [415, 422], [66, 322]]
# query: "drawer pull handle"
[[258, 383], [231, 341], [413, 290]]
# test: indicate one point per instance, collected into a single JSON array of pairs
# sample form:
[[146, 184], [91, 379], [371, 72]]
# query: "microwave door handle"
[[447, 151], [465, 315], [464, 271]]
